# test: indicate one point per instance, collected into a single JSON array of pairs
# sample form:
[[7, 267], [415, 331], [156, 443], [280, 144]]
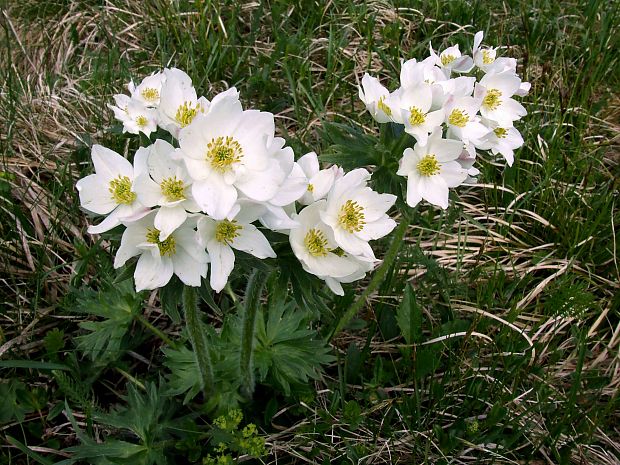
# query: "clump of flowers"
[[451, 115], [224, 180]]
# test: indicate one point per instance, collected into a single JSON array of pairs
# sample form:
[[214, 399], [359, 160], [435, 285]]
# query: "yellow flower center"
[[141, 121], [167, 247], [351, 216], [316, 243], [416, 116], [492, 99], [447, 59], [458, 118], [310, 188], [222, 152], [383, 107], [487, 58], [226, 231], [120, 188], [173, 189], [428, 166], [186, 113], [500, 132], [150, 94]]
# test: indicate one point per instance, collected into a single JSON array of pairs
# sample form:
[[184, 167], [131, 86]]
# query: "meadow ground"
[[525, 263]]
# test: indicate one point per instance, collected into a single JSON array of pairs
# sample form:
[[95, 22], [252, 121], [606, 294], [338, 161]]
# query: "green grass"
[[524, 266]]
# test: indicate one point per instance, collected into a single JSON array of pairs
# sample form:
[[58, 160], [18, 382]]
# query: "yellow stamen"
[[492, 99], [141, 121], [416, 116], [186, 113], [351, 216], [316, 243], [487, 58], [500, 132], [173, 189], [150, 94], [223, 152], [447, 59], [167, 247], [120, 188], [383, 107], [310, 188], [428, 166], [458, 118], [226, 231]]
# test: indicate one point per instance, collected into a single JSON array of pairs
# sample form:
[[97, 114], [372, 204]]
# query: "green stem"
[[159, 333], [377, 279], [198, 338], [252, 304]]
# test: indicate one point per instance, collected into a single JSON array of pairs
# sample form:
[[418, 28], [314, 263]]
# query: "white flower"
[[164, 181], [229, 149], [377, 99], [415, 104], [319, 181], [431, 169], [221, 236], [314, 246], [148, 92], [462, 121], [110, 189], [414, 74], [502, 140], [180, 254], [496, 91], [357, 214], [134, 115], [467, 160], [179, 104], [484, 58], [451, 59]]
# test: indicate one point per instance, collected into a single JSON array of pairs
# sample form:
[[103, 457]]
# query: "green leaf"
[[170, 298], [288, 352], [13, 405], [28, 451], [183, 373], [409, 317], [117, 305], [32, 364]]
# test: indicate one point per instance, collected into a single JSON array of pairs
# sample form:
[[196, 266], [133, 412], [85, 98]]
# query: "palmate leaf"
[[286, 351], [117, 305], [147, 417]]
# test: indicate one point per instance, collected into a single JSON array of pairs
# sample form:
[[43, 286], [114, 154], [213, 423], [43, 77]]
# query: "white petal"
[[168, 219], [222, 264], [152, 272], [334, 285], [110, 164], [187, 269], [309, 164], [377, 229], [128, 248], [111, 221], [434, 190], [148, 191], [214, 196], [94, 194], [261, 185], [353, 244], [322, 182], [413, 191], [453, 174], [252, 241]]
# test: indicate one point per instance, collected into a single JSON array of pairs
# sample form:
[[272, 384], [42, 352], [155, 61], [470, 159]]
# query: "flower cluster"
[[225, 178], [450, 115]]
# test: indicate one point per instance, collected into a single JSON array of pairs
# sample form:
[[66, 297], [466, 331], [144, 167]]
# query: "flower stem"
[[252, 304], [198, 338], [159, 333], [377, 279]]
